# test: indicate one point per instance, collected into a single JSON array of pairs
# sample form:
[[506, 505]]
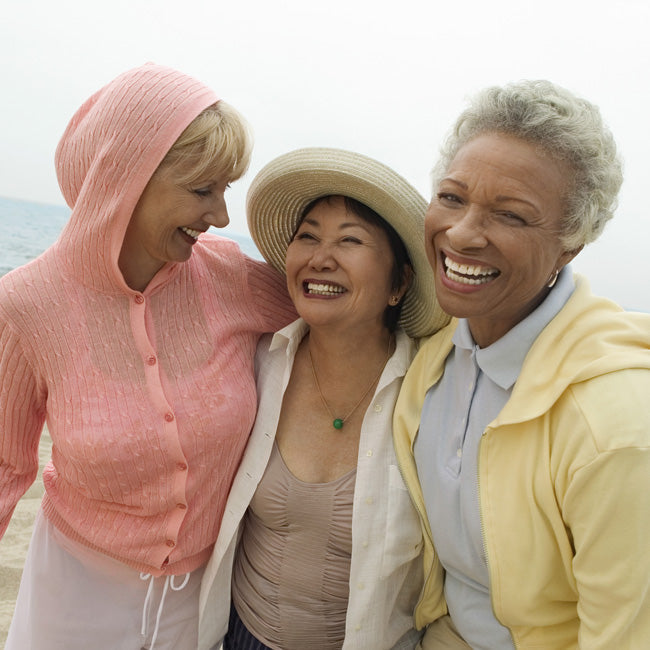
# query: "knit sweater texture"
[[148, 396]]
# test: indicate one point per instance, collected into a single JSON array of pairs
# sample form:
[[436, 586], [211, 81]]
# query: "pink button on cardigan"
[[148, 398]]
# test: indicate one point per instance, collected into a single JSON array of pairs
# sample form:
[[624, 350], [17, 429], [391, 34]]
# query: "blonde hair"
[[216, 144]]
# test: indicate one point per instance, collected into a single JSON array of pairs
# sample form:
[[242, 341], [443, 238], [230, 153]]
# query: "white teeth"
[[469, 274], [324, 289], [192, 233]]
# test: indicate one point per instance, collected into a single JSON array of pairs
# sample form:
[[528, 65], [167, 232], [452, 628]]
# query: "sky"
[[385, 78]]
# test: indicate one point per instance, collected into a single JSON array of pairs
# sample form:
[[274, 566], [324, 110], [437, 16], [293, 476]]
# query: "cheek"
[[428, 224], [429, 243], [432, 225], [381, 280], [292, 268], [294, 288]]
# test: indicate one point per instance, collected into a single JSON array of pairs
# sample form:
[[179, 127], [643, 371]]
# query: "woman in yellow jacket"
[[523, 427]]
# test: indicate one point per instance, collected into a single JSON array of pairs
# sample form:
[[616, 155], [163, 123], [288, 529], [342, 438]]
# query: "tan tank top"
[[292, 569]]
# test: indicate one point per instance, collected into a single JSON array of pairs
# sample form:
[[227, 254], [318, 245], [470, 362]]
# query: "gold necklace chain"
[[337, 423]]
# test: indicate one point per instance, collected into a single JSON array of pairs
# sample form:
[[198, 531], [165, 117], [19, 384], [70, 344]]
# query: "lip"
[[442, 253], [476, 276], [321, 289], [187, 237]]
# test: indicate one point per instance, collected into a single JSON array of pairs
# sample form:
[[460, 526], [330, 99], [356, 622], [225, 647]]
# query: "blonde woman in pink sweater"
[[133, 339]]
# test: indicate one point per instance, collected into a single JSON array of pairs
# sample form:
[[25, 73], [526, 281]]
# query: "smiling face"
[[166, 223], [493, 232], [339, 269]]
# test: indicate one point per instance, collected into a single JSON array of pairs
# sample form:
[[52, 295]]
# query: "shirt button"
[[365, 545], [181, 506], [369, 501], [378, 408], [361, 586], [139, 299], [181, 466], [369, 453], [171, 543], [169, 417], [357, 627], [459, 452], [151, 360]]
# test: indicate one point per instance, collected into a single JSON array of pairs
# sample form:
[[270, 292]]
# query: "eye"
[[203, 191], [448, 198], [513, 217], [304, 236], [351, 240]]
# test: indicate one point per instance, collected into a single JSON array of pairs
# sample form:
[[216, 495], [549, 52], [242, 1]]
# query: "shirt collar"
[[502, 361], [290, 336]]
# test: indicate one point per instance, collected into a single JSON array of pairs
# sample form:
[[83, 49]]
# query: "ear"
[[567, 256], [408, 278]]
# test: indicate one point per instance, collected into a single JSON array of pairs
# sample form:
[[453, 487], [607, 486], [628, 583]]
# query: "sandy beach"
[[13, 546]]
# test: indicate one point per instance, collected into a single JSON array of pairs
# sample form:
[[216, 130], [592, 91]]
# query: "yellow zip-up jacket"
[[564, 482]]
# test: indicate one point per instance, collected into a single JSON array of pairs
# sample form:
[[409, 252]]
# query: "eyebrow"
[[500, 198], [346, 224], [455, 182]]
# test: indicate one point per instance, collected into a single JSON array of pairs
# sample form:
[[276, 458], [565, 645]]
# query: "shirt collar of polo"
[[502, 361]]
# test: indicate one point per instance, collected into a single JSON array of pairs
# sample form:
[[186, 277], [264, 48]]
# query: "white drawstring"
[[169, 583], [146, 576]]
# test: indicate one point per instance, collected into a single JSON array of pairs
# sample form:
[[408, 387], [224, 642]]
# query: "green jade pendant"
[[337, 423]]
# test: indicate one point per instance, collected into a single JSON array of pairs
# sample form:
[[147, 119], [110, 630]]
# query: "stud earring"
[[394, 300]]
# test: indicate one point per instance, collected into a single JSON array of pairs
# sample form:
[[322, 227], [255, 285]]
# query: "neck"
[[330, 348], [135, 276], [340, 368]]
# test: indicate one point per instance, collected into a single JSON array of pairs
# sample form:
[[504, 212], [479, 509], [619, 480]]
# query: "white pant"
[[74, 598]]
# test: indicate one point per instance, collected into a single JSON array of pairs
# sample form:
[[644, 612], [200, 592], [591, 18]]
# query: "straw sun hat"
[[283, 189]]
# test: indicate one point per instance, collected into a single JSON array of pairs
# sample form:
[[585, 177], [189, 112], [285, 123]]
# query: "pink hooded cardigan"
[[148, 397]]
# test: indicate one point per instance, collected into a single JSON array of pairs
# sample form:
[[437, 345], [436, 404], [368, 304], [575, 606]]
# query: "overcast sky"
[[385, 78]]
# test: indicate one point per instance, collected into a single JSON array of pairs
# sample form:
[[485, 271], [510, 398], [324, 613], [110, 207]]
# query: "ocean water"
[[27, 229]]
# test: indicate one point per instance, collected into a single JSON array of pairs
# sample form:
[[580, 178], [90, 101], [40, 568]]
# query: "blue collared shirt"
[[475, 386]]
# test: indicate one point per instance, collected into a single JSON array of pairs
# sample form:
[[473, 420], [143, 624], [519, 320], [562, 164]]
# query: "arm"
[[608, 513], [268, 290], [21, 422], [606, 509]]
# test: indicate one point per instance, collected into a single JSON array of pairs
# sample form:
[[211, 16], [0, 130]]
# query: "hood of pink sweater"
[[108, 152]]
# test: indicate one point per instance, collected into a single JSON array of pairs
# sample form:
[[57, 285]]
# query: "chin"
[[454, 304]]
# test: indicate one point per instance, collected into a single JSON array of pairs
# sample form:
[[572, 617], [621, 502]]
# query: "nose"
[[468, 230], [217, 215], [322, 257]]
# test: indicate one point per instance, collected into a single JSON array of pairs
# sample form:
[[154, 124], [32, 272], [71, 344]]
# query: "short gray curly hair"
[[565, 127]]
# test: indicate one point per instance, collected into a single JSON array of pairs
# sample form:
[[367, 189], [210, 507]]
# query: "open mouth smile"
[[194, 234], [469, 273], [323, 289]]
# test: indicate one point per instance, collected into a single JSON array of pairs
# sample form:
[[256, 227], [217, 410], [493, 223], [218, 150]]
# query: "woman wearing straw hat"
[[328, 554]]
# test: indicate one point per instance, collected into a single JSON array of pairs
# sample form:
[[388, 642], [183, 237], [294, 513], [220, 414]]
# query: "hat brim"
[[282, 189]]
